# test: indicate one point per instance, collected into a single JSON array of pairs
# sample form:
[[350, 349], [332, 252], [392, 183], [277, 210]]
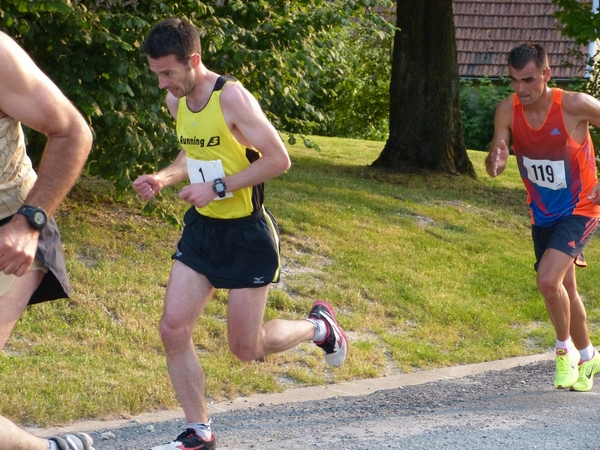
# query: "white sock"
[[52, 445], [587, 353], [568, 344], [320, 330], [202, 429]]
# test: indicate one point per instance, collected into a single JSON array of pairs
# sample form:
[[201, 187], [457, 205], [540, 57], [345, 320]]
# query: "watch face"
[[219, 187], [39, 218]]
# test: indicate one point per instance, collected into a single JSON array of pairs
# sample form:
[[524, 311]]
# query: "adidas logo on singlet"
[[555, 132]]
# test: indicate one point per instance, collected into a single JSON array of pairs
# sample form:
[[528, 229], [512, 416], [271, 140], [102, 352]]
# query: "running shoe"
[[189, 440], [567, 362], [587, 370], [75, 441], [335, 344]]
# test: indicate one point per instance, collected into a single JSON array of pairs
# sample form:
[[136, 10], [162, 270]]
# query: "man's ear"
[[195, 60]]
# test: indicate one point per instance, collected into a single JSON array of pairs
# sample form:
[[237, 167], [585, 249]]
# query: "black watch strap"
[[220, 187]]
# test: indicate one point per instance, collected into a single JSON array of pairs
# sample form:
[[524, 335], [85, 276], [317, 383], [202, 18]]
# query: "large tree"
[[426, 130]]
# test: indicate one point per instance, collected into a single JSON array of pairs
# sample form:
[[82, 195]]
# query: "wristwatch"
[[36, 217], [219, 187]]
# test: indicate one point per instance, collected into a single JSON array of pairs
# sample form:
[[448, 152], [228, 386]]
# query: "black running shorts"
[[569, 235], [231, 253]]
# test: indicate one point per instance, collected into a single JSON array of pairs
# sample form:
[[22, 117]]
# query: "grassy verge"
[[425, 271]]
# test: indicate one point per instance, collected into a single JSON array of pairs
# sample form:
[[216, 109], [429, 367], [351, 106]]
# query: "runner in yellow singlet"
[[230, 241]]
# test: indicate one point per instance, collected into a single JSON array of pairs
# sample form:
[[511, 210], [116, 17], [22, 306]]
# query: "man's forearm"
[[62, 161]]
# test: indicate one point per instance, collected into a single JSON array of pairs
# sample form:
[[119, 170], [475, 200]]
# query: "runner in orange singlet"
[[555, 156]]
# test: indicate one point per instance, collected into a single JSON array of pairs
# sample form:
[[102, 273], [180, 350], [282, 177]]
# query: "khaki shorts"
[[6, 281], [55, 283]]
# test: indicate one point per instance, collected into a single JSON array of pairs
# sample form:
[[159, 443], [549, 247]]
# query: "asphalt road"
[[513, 408]]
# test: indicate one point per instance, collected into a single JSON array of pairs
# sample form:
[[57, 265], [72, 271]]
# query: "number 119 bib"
[[546, 173]]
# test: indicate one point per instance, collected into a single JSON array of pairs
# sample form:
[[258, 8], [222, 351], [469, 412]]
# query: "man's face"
[[529, 83], [177, 78]]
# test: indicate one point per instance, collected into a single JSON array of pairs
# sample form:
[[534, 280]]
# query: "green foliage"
[[591, 86], [91, 49], [582, 24], [299, 58], [93, 55], [356, 86], [578, 20], [478, 101]]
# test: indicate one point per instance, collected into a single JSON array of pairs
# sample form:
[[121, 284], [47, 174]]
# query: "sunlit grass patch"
[[424, 271]]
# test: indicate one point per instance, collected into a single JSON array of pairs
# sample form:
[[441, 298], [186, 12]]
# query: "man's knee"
[[548, 285], [174, 334]]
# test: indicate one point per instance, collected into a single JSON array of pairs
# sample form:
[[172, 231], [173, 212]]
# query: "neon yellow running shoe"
[[567, 362], [587, 370]]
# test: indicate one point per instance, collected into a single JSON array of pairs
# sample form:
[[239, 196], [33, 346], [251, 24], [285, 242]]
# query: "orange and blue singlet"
[[558, 172]]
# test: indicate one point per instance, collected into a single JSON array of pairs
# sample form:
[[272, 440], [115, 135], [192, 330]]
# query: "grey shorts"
[[231, 253], [55, 283]]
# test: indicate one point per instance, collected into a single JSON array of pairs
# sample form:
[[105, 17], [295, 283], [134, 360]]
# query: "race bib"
[[546, 173], [203, 171]]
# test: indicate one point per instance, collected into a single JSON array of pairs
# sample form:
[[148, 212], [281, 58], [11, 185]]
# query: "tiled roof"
[[486, 30]]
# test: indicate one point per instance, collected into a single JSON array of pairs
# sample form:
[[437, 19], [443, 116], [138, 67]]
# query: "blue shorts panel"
[[231, 253], [569, 235]]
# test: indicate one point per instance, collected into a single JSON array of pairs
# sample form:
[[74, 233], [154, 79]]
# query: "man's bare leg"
[[14, 302], [188, 292], [552, 270], [578, 325], [12, 305], [249, 338]]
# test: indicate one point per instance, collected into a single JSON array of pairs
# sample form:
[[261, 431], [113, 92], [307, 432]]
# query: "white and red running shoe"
[[335, 344], [189, 440]]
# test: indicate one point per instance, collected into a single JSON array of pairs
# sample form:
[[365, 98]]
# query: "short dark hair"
[[526, 52], [172, 37]]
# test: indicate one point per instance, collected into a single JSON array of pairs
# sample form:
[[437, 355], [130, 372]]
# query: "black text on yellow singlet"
[[205, 136]]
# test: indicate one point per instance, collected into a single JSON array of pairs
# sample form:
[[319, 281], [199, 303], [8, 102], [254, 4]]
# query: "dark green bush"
[[478, 101], [91, 49]]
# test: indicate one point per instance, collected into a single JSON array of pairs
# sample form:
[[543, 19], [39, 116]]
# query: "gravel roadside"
[[516, 408]]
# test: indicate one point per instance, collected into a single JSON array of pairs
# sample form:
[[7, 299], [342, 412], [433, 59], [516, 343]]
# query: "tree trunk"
[[426, 131]]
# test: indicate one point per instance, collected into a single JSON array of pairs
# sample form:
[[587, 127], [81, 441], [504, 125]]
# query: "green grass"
[[424, 270]]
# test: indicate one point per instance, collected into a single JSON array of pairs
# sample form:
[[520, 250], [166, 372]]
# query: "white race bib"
[[203, 171], [546, 173]]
